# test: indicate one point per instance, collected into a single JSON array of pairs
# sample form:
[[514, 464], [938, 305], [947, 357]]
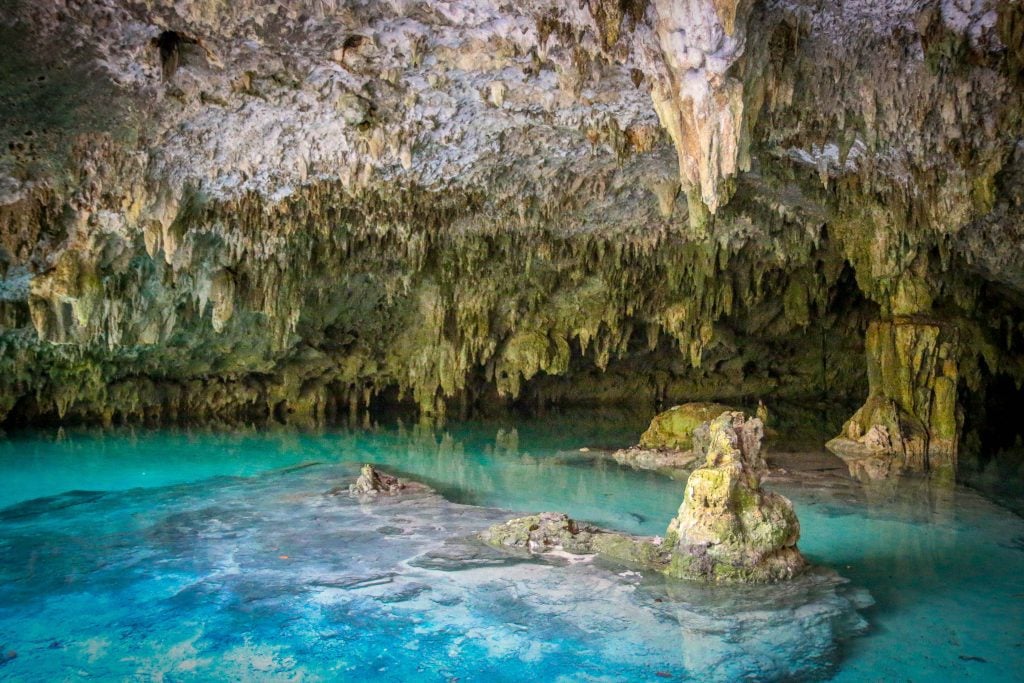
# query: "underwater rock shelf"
[[266, 575]]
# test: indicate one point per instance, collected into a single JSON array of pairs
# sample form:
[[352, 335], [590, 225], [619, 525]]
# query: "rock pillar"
[[910, 421], [729, 528]]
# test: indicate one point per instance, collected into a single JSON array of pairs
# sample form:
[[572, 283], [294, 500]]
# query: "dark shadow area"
[[992, 449]]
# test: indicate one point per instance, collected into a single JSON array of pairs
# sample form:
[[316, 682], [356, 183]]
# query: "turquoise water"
[[214, 556]]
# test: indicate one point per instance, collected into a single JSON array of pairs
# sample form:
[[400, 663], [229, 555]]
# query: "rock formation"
[[557, 532], [291, 211], [910, 422], [675, 439], [728, 528], [372, 482]]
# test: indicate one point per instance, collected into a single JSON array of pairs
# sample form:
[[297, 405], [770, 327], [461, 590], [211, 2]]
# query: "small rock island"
[[728, 528], [675, 438]]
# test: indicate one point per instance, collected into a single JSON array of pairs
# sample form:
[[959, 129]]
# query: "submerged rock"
[[654, 459], [557, 532], [541, 533], [728, 528]]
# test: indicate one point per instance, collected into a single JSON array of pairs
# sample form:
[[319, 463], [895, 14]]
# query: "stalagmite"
[[728, 528]]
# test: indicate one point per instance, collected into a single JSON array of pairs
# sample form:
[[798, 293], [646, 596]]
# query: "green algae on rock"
[[674, 440], [557, 532], [728, 528], [674, 428], [910, 422]]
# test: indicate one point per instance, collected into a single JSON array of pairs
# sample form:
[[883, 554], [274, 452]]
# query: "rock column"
[[910, 422]]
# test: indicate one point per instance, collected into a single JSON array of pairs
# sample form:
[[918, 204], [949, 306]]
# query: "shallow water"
[[211, 556]]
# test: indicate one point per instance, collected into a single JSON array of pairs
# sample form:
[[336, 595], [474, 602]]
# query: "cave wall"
[[292, 210]]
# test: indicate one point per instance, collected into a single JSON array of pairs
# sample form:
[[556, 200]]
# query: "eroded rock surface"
[[676, 439], [728, 528], [295, 210], [557, 532], [373, 482], [910, 422], [675, 427]]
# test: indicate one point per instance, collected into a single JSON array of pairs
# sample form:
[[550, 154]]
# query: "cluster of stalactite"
[[330, 298], [819, 202]]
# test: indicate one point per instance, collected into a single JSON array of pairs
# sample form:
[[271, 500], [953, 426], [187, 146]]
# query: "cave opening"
[[993, 433]]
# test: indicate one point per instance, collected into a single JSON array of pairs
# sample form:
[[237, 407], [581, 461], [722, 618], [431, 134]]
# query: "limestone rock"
[[676, 438], [674, 427], [372, 482], [333, 203], [655, 459], [698, 102], [541, 533], [728, 528], [910, 421], [557, 532]]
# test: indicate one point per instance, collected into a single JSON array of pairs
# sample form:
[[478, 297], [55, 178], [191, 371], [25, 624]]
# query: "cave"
[[356, 340]]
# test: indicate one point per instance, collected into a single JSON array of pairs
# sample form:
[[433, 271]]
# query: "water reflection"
[[217, 509], [267, 578]]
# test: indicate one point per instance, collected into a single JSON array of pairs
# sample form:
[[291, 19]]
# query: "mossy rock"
[[674, 427], [542, 532], [629, 549], [728, 528], [555, 531], [698, 566]]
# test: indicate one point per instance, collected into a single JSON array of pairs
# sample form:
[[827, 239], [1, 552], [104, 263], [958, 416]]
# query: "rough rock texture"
[[675, 439], [556, 532], [728, 528], [675, 427], [910, 422], [669, 461], [291, 210], [372, 482]]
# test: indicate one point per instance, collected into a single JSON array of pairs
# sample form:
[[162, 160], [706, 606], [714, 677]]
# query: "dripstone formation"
[[910, 422], [291, 212], [728, 528]]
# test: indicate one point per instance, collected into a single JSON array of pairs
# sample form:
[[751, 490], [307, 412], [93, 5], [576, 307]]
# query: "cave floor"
[[218, 555]]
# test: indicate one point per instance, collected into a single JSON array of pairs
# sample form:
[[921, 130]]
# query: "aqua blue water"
[[213, 556]]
